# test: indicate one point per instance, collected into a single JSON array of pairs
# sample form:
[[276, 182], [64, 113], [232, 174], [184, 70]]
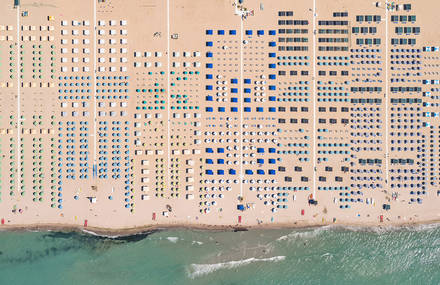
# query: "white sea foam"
[[385, 229], [90, 233], [309, 233], [98, 235], [35, 231], [327, 256], [197, 242], [197, 270], [313, 232], [424, 227], [173, 239]]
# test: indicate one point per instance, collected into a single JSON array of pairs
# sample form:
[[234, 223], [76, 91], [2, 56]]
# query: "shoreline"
[[125, 232]]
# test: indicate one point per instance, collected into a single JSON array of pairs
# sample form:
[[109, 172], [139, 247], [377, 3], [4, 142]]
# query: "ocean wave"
[[99, 235], [122, 238], [304, 234], [173, 239], [314, 232], [424, 227], [36, 231], [386, 229], [197, 270]]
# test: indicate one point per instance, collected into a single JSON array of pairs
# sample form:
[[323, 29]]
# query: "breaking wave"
[[173, 239], [314, 232], [301, 234], [197, 270]]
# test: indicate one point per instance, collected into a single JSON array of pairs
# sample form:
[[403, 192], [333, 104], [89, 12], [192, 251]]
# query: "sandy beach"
[[121, 117]]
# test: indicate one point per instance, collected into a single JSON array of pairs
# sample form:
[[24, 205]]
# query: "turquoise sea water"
[[325, 255]]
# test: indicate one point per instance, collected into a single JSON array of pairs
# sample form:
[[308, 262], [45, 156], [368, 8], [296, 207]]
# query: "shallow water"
[[326, 255]]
